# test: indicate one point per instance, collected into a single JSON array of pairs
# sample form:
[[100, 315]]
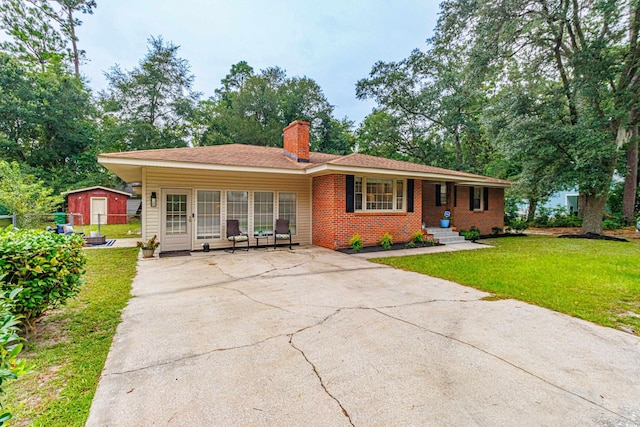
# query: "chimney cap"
[[297, 123]]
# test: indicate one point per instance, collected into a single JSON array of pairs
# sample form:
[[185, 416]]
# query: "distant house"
[[97, 204], [189, 193]]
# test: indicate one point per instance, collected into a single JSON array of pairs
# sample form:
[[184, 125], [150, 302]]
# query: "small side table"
[[259, 237]]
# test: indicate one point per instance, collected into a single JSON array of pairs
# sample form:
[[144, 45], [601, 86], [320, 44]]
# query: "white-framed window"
[[263, 211], [477, 198], [238, 208], [379, 194], [357, 191], [287, 209], [208, 214], [399, 195], [443, 194]]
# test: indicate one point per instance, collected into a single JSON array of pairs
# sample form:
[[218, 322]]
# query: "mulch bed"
[[592, 236], [394, 247]]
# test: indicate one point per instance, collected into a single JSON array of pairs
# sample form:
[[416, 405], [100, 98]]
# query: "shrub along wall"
[[48, 267]]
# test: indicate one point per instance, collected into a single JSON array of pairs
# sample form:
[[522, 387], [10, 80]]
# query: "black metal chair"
[[235, 235], [282, 232]]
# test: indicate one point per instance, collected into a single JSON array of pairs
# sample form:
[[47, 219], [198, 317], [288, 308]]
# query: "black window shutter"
[[455, 195], [350, 193], [486, 198], [410, 185], [438, 190], [470, 198]]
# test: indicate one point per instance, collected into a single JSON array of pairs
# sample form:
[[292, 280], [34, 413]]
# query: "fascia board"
[[197, 166]]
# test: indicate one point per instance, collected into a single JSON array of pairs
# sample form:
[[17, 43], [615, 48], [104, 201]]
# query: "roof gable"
[[96, 187]]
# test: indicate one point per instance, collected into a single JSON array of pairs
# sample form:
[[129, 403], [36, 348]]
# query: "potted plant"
[[149, 247], [445, 221]]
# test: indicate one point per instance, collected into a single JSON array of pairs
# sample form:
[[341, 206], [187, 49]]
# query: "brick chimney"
[[296, 141]]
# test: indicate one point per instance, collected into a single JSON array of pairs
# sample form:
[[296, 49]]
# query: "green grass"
[[72, 345], [113, 231], [594, 280]]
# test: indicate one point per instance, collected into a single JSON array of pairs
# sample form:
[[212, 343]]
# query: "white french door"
[[176, 220]]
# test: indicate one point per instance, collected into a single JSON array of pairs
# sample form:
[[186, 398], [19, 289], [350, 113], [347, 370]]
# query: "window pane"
[[399, 194], [208, 214], [477, 198], [379, 194], [176, 214], [358, 193], [238, 208], [443, 194], [287, 208], [263, 212]]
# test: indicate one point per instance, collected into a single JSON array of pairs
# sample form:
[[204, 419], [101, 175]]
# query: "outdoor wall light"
[[154, 199]]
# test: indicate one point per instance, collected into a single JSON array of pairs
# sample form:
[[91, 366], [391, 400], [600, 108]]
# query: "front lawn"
[[72, 345], [597, 281]]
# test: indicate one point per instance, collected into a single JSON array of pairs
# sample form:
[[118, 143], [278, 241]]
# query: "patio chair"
[[282, 232], [235, 235]]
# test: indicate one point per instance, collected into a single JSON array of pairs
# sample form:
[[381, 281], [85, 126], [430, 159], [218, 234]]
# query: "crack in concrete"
[[313, 366], [488, 353], [195, 356], [266, 303]]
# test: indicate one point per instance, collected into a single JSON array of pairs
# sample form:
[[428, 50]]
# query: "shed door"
[[98, 206], [176, 220]]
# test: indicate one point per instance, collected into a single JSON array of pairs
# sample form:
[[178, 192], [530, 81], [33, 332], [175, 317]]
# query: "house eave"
[[131, 169], [326, 169]]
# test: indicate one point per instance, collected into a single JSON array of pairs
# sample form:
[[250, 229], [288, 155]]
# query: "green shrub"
[[473, 234], [356, 242], [386, 241], [612, 222], [518, 225], [418, 238], [47, 266], [496, 230], [10, 346]]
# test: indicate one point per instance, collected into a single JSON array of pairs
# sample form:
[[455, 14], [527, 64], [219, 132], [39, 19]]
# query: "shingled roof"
[[265, 159]]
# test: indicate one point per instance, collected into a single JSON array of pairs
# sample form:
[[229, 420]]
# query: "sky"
[[334, 42]]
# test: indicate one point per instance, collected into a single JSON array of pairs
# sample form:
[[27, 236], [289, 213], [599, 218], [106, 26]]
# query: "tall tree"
[[253, 108], [40, 32], [69, 23], [436, 104], [153, 101], [47, 123], [589, 53], [34, 38]]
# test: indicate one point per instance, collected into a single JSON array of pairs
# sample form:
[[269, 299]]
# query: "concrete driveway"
[[312, 337]]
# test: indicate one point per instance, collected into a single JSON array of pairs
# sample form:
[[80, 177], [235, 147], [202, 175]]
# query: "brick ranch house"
[[189, 193]]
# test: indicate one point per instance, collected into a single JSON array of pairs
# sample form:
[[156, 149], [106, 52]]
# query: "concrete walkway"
[[312, 337]]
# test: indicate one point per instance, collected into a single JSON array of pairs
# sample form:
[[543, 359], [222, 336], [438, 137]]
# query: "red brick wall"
[[333, 226], [296, 140], [462, 217], [431, 213], [80, 203]]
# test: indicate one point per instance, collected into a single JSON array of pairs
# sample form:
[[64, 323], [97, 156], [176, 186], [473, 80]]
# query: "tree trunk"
[[531, 213], [631, 179], [72, 29], [592, 212]]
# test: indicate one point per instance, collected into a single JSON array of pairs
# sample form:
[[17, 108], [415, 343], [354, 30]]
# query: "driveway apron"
[[312, 337]]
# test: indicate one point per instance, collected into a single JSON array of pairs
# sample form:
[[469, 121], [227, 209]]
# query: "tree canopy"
[[253, 108]]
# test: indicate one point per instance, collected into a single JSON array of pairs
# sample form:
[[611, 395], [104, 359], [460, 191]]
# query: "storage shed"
[[86, 203]]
